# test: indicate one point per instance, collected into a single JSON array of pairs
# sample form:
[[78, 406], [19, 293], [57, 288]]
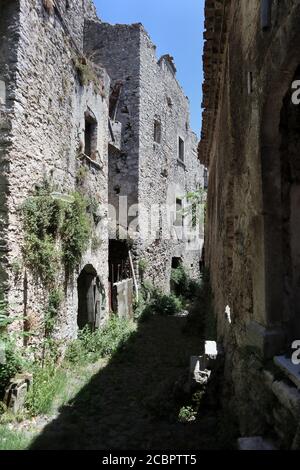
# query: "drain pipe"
[[266, 7]]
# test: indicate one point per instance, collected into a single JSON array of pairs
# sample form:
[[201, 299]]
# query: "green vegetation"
[[143, 264], [48, 219], [12, 440], [202, 316], [75, 231], [11, 363], [153, 302], [90, 346], [47, 382], [187, 414], [51, 380], [196, 206], [54, 301], [87, 74], [182, 285]]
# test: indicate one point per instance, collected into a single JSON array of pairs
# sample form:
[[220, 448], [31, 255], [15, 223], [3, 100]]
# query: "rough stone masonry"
[[250, 141], [86, 113]]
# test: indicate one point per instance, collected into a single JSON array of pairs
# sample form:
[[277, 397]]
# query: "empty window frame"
[[157, 131], [181, 149], [90, 136], [179, 213]]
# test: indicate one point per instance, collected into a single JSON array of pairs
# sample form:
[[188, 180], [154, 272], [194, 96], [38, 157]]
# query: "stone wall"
[[163, 176], [9, 31], [117, 49], [247, 214], [46, 138], [147, 172]]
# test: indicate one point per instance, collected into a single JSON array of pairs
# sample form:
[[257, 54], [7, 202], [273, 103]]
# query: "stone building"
[[54, 114], [155, 162], [87, 112], [250, 142]]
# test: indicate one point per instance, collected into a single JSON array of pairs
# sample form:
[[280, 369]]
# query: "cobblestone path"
[[133, 402]]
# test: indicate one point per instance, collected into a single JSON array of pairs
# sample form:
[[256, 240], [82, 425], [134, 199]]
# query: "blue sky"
[[176, 27]]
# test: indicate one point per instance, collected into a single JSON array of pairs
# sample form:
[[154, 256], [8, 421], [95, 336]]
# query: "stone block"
[[198, 370], [16, 392]]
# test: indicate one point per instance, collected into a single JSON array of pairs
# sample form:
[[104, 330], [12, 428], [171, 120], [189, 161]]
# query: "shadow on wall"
[[133, 403]]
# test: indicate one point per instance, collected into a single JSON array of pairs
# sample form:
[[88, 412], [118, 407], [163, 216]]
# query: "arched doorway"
[[91, 298]]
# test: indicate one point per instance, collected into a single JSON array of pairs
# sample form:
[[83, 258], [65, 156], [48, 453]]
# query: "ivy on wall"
[[57, 230]]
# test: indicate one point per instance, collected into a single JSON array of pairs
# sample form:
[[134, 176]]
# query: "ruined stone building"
[[156, 162], [87, 114], [53, 126], [250, 142]]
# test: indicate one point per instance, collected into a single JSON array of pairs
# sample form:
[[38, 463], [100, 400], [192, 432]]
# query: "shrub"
[[75, 231], [47, 219], [12, 440], [167, 305], [11, 364], [143, 264], [159, 304], [47, 382], [91, 346], [187, 414], [182, 285]]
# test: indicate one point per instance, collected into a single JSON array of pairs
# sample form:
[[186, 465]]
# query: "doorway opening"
[[91, 298], [175, 274]]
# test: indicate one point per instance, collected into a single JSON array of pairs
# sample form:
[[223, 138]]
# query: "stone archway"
[[91, 298]]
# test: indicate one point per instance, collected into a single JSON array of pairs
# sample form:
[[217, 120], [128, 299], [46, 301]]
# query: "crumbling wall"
[[147, 172], [47, 137], [9, 34], [163, 176], [117, 48]]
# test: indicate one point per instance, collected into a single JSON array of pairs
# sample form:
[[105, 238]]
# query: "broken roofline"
[[167, 58]]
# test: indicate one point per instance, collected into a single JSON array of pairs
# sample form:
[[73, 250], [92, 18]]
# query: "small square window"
[[181, 149]]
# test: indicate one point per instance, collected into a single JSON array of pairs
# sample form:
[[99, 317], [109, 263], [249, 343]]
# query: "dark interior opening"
[[90, 136], [90, 298], [157, 131], [114, 99], [181, 149], [176, 262], [119, 265]]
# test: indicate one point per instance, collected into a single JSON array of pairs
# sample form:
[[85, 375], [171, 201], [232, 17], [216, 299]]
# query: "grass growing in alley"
[[53, 384], [12, 440]]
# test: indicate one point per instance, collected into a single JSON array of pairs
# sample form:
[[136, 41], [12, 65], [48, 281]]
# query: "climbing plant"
[[75, 231], [56, 230], [196, 206]]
